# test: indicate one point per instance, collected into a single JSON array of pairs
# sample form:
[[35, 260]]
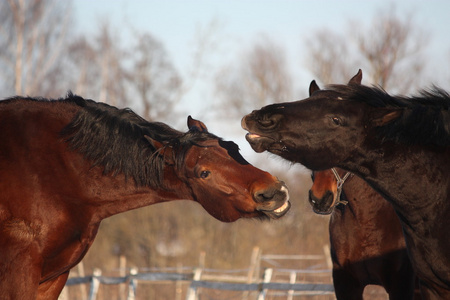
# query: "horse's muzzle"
[[323, 206], [273, 201]]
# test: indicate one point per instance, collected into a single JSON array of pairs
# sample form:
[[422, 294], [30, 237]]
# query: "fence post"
[[267, 277], [122, 273], [192, 292], [253, 270], [292, 279], [95, 283], [132, 286], [178, 284], [255, 260], [326, 251]]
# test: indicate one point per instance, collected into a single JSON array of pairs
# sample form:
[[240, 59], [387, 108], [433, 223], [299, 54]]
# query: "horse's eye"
[[204, 174], [336, 121]]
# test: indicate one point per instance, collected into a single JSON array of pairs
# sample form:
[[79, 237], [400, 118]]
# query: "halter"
[[340, 185]]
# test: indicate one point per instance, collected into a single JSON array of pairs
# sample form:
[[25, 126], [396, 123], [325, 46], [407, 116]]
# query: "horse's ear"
[[313, 87], [167, 152], [384, 116], [196, 125], [153, 142], [357, 78]]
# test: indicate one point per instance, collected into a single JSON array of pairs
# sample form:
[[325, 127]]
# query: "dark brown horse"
[[399, 145], [360, 219], [66, 165], [366, 240]]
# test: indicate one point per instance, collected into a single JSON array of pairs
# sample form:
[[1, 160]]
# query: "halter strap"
[[340, 185]]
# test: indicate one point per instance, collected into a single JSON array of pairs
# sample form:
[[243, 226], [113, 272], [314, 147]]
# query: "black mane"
[[115, 139], [425, 118]]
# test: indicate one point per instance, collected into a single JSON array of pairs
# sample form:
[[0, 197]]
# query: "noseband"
[[340, 185]]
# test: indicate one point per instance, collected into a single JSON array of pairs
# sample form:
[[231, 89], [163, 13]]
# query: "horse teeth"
[[282, 208], [253, 135]]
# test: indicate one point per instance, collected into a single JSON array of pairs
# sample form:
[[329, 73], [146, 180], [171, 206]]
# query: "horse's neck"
[[109, 194], [412, 178], [112, 195], [363, 201], [356, 204], [351, 192]]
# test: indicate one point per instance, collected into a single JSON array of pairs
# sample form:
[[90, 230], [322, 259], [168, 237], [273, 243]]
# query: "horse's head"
[[325, 193], [213, 173], [319, 132]]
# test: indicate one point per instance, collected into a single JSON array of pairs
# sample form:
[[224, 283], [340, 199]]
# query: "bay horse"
[[366, 239], [399, 145], [67, 164]]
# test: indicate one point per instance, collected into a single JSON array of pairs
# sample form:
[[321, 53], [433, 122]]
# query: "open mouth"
[[253, 137], [275, 213], [260, 143], [279, 212]]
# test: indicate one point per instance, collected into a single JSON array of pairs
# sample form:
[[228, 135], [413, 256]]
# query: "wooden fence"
[[251, 283]]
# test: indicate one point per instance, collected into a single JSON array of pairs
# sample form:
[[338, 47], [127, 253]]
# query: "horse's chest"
[[62, 256]]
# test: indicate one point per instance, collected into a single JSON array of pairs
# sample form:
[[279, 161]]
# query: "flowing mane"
[[115, 139], [425, 118]]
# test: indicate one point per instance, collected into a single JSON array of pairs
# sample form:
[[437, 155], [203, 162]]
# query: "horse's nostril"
[[265, 123], [329, 197], [262, 196], [272, 194], [312, 199], [269, 121]]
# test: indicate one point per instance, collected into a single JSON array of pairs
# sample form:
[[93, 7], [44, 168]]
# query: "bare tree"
[[33, 35], [82, 56], [329, 56], [141, 75], [154, 78], [389, 52], [98, 67], [392, 49], [113, 73], [258, 78]]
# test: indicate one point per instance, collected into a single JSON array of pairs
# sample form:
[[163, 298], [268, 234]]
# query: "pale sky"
[[176, 24]]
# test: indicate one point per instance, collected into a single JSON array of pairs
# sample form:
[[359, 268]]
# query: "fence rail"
[[273, 280], [262, 287]]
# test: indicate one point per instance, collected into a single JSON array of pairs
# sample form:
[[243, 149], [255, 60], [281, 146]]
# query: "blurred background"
[[216, 61]]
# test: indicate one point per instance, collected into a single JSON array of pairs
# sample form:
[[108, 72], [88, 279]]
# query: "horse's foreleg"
[[52, 288], [20, 270], [400, 284], [346, 287]]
